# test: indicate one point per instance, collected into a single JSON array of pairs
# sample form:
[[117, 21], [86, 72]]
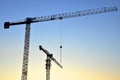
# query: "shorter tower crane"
[[48, 62]]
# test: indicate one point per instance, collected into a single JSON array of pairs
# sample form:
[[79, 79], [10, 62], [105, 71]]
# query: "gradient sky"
[[91, 44]]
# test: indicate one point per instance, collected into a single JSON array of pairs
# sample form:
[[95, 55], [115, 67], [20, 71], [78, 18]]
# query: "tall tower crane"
[[48, 62], [61, 16]]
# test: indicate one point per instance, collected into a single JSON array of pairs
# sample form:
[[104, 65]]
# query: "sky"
[[90, 44]]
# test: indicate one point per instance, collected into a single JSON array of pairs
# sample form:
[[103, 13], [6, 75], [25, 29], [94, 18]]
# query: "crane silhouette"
[[60, 16], [48, 62]]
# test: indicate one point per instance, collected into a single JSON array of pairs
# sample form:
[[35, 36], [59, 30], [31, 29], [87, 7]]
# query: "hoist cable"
[[60, 43]]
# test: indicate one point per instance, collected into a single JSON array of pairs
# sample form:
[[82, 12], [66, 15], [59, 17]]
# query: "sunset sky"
[[91, 44]]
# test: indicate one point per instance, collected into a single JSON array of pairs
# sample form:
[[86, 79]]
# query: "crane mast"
[[26, 52], [48, 64], [61, 16]]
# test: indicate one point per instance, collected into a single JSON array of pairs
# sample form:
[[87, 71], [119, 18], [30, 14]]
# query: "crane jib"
[[62, 16]]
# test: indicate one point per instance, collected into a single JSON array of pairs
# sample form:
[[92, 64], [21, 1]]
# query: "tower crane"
[[61, 16], [48, 62]]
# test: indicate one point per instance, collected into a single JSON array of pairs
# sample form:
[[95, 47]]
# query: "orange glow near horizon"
[[67, 73]]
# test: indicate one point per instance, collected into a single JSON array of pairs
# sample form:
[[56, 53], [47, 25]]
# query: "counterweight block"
[[6, 25]]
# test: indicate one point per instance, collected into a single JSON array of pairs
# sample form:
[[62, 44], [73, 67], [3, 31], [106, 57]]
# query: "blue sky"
[[91, 44]]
